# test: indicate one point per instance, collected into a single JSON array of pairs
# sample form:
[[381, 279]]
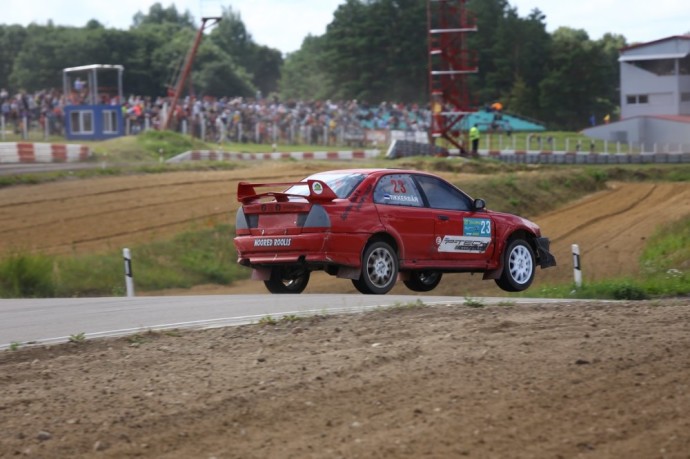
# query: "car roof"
[[372, 171]]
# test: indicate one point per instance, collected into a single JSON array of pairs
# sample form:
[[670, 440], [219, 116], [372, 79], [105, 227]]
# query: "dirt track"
[[600, 380], [608, 380], [86, 215]]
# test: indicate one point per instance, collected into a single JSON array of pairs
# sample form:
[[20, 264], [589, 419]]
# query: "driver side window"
[[441, 195]]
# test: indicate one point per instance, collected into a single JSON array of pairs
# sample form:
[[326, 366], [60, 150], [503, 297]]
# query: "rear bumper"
[[545, 258], [310, 249]]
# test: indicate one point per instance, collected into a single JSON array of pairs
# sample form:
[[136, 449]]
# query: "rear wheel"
[[287, 280], [518, 266], [379, 269], [423, 281]]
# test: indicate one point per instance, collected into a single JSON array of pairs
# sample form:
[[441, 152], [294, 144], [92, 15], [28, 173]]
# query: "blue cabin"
[[93, 110]]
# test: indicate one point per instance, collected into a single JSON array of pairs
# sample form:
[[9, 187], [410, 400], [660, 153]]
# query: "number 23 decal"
[[398, 186]]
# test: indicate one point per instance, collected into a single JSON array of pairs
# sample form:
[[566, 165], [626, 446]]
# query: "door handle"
[[443, 218]]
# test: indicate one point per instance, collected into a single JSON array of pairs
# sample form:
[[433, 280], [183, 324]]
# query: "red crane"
[[187, 67]]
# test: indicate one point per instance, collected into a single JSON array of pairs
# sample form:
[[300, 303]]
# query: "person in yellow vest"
[[474, 140]]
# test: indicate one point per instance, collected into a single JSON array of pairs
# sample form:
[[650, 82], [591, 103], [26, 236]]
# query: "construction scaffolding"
[[450, 64]]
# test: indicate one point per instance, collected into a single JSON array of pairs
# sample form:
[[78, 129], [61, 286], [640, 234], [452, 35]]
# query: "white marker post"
[[129, 280], [577, 270]]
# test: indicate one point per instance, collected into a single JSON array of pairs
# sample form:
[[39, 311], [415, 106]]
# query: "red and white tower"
[[450, 64]]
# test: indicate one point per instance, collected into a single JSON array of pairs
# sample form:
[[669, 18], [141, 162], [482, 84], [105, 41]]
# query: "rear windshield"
[[342, 184]]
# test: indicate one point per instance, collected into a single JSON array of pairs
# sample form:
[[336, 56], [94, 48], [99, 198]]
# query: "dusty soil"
[[604, 380], [599, 380]]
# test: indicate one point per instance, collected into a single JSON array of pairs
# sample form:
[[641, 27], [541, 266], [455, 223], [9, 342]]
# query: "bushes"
[[26, 275], [203, 256]]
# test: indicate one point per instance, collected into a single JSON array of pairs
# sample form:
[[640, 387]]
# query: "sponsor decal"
[[464, 244], [357, 201], [273, 242], [317, 188], [476, 227], [400, 198]]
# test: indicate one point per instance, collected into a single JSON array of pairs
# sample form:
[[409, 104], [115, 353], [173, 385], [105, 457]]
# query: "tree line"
[[372, 51]]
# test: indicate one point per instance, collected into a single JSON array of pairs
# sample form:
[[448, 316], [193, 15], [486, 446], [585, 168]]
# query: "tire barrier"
[[508, 156], [404, 148], [562, 157], [212, 155], [26, 152]]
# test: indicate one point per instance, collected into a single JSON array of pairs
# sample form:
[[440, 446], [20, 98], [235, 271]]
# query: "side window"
[[397, 190], [441, 195], [81, 121]]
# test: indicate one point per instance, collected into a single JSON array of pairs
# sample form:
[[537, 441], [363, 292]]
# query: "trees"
[[11, 42], [159, 15], [303, 76], [372, 50], [581, 79], [259, 64]]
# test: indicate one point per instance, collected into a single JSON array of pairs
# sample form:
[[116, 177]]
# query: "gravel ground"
[[602, 379]]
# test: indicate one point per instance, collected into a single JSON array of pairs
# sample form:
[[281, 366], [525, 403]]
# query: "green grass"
[[203, 256], [665, 271], [668, 249], [473, 302], [25, 275]]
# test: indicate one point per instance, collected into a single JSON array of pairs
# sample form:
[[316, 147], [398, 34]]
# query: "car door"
[[463, 237], [402, 211]]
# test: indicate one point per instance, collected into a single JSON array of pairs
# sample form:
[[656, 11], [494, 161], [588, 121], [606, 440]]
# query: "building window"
[[110, 125], [685, 96], [81, 121], [637, 99], [659, 67]]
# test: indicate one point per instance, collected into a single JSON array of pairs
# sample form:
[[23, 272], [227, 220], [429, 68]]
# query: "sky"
[[283, 24]]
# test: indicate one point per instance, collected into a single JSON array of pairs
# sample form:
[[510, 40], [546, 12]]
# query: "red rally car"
[[375, 225]]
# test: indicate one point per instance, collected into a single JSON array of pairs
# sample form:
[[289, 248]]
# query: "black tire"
[[518, 266], [423, 281], [287, 280], [379, 269]]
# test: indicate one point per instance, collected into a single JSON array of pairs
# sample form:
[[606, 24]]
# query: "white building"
[[655, 96]]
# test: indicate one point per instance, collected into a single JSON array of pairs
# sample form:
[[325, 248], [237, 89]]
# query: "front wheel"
[[379, 269], [518, 267], [423, 281], [287, 280]]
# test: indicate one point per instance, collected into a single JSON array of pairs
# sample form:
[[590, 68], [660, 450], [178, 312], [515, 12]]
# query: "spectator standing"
[[474, 139]]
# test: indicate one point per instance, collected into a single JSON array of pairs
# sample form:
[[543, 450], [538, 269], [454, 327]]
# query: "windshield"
[[342, 184]]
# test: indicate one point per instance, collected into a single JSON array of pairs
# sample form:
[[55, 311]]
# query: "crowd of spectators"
[[260, 120], [41, 107]]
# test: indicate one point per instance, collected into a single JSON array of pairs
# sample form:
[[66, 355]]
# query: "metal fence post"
[[129, 278], [577, 270]]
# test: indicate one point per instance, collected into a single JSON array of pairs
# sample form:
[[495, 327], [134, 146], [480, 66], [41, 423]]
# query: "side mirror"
[[479, 204]]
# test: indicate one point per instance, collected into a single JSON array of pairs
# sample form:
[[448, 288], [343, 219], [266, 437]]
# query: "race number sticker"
[[476, 227]]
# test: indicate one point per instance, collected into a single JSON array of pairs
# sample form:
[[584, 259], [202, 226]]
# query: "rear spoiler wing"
[[318, 191]]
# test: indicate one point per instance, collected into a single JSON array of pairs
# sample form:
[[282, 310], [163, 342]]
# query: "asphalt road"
[[54, 320]]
